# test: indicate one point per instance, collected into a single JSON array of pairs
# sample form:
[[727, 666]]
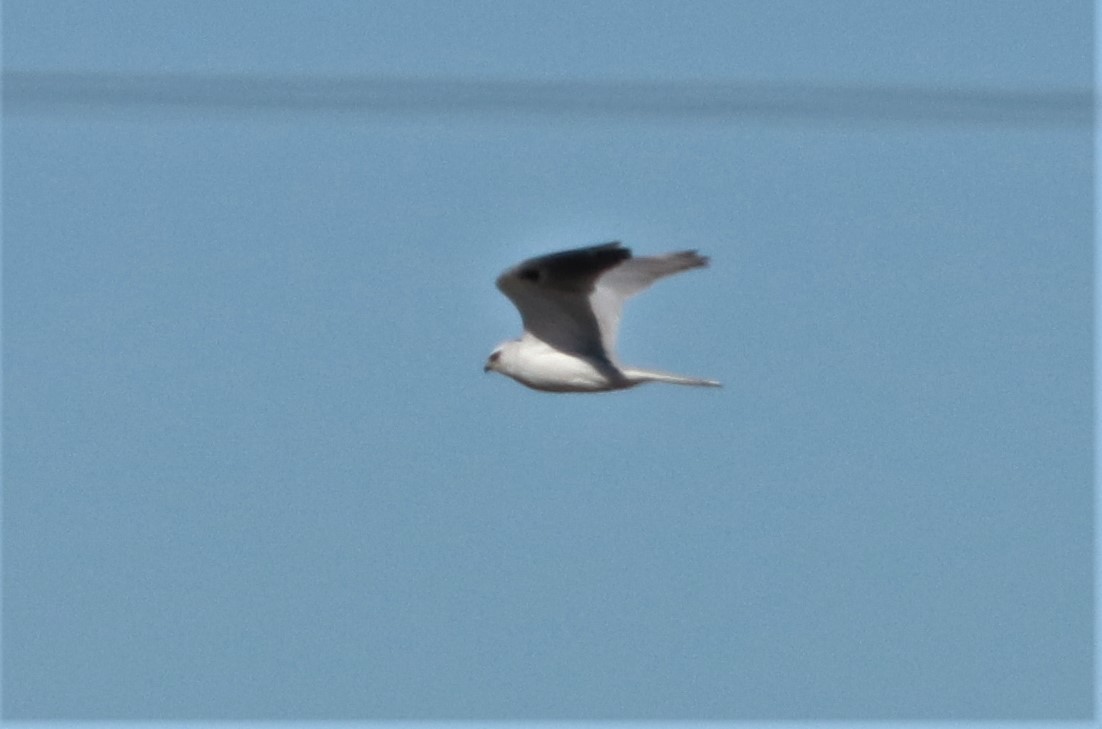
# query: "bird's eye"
[[495, 356], [530, 274]]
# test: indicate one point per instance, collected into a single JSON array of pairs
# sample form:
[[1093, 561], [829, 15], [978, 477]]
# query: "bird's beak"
[[486, 367]]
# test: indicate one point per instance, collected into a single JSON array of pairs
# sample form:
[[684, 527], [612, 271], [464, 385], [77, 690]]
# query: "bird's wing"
[[629, 278], [553, 295]]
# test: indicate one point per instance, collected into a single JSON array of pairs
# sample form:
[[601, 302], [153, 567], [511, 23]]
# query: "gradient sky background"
[[253, 469]]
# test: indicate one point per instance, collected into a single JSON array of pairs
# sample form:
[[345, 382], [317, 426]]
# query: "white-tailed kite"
[[570, 303]]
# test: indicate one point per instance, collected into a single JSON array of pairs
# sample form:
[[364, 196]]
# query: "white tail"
[[638, 377]]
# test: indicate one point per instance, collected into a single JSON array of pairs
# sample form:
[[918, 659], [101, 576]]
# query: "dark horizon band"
[[58, 91]]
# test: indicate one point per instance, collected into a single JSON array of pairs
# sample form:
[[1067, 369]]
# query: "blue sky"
[[253, 469]]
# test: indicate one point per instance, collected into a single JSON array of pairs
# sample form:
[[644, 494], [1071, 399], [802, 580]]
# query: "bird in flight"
[[570, 303]]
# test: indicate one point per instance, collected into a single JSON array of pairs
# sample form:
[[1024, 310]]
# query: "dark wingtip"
[[691, 259]]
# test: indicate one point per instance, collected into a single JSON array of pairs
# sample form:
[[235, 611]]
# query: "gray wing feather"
[[553, 295], [631, 277]]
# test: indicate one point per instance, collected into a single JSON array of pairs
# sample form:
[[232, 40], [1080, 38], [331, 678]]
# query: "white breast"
[[542, 367]]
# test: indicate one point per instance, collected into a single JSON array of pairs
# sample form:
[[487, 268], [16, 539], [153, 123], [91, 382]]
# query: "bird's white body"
[[535, 363], [571, 303]]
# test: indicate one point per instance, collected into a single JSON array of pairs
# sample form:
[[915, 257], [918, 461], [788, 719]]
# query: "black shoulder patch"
[[584, 262]]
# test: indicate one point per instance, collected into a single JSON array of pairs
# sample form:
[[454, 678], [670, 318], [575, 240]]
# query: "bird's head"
[[499, 359]]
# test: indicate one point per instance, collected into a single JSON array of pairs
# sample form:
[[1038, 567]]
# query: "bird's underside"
[[570, 303]]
